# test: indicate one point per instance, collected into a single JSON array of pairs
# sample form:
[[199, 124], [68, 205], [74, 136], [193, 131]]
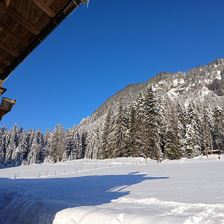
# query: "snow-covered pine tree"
[[69, 144], [57, 144], [182, 121], [218, 131], [104, 151], [138, 128], [173, 148], [163, 105], [6, 144], [47, 143], [90, 144], [118, 135], [151, 120], [133, 147], [199, 122], [12, 145], [192, 143], [83, 145], [76, 152], [36, 154], [3, 145], [93, 144], [21, 152], [207, 143], [97, 143]]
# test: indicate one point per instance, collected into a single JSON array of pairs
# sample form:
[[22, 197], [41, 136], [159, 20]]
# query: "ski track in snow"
[[120, 191]]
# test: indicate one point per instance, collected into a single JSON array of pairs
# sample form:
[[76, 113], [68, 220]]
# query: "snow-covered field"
[[121, 191]]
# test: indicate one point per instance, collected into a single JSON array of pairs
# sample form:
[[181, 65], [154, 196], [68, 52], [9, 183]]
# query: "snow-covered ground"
[[121, 191]]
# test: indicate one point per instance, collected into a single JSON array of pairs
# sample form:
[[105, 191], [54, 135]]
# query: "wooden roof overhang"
[[23, 26]]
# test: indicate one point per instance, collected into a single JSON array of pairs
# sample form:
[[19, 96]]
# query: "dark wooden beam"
[[2, 90], [2, 66], [19, 19], [13, 36], [44, 7], [4, 61], [9, 51], [36, 40]]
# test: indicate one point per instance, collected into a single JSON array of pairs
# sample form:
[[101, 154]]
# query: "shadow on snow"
[[36, 201]]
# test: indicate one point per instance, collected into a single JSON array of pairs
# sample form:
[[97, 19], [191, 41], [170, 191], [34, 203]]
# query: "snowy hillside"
[[203, 81], [118, 191], [172, 116]]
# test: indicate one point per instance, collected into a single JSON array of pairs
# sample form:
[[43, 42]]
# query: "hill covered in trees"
[[173, 115]]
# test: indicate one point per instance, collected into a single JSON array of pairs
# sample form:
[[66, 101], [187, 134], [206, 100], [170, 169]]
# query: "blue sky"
[[98, 51]]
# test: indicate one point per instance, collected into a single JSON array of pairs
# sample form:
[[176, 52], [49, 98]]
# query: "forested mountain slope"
[[172, 115]]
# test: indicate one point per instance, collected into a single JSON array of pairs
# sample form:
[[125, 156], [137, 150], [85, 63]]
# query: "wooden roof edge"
[[69, 7]]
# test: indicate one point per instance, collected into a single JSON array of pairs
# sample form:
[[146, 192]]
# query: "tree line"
[[20, 147], [152, 127], [162, 129]]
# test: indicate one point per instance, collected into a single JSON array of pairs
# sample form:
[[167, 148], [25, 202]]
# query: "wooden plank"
[[9, 51], [13, 36], [44, 7], [18, 18], [7, 3], [4, 61]]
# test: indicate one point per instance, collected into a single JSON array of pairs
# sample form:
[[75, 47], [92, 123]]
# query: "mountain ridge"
[[165, 82]]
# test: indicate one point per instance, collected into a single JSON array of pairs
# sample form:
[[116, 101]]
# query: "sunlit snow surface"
[[121, 191]]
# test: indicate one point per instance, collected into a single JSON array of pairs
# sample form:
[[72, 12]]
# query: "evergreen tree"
[[57, 144], [3, 145], [207, 143], [151, 120], [93, 144], [173, 148], [76, 151], [133, 136], [118, 135], [163, 105], [97, 144], [47, 143], [12, 145], [182, 121], [139, 126], [21, 152], [36, 151], [105, 152], [69, 145], [83, 145], [218, 131], [192, 144]]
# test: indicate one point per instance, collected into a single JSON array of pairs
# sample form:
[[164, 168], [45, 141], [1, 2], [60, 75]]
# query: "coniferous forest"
[[151, 127], [171, 116]]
